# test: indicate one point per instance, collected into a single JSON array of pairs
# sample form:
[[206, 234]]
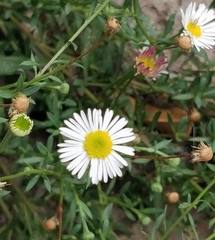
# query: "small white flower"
[[95, 140], [199, 25]]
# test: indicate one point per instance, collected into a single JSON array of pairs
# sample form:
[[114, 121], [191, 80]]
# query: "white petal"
[[124, 149], [119, 158], [83, 169], [106, 120]]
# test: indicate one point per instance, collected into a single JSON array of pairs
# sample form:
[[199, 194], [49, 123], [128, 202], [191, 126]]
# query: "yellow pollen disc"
[[98, 144], [194, 29], [148, 62]]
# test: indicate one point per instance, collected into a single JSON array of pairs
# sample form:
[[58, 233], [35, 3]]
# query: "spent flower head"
[[199, 25], [202, 153], [20, 124], [2, 184], [20, 104], [150, 65], [112, 26], [94, 140]]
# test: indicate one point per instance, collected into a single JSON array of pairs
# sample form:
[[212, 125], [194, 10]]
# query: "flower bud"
[[112, 26], [20, 124], [64, 88], [88, 235], [51, 223], [156, 187], [172, 197], [184, 42], [173, 162], [194, 116], [145, 220]]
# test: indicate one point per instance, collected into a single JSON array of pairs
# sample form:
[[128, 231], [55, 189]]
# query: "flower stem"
[[138, 13], [27, 173], [82, 215], [73, 38], [192, 205]]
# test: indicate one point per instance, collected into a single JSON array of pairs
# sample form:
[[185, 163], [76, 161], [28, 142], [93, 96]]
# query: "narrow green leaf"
[[86, 209], [32, 182], [169, 24], [3, 193], [47, 184], [54, 78], [193, 226], [129, 214], [10, 65], [183, 205], [42, 148], [185, 96], [6, 94], [30, 90], [107, 211], [2, 120]]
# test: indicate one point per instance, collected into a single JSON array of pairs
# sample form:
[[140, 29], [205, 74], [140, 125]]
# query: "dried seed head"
[[19, 104], [51, 223], [202, 153], [137, 138], [172, 197], [112, 26], [184, 42]]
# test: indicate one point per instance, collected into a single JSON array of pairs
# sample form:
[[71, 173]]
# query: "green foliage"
[[56, 53]]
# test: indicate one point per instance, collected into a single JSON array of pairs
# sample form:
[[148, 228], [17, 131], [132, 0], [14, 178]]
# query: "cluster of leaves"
[[31, 33]]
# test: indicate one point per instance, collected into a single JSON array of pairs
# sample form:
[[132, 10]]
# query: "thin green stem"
[[137, 13], [89, 20], [82, 215], [34, 171], [186, 211], [6, 138]]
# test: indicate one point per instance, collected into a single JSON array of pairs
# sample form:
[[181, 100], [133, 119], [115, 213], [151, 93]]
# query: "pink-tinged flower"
[[150, 65]]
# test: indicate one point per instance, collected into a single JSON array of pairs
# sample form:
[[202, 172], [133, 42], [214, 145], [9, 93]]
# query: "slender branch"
[[191, 205], [47, 66], [162, 158], [34, 171]]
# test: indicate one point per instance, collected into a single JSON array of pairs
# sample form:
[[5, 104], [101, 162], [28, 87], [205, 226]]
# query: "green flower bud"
[[145, 220], [88, 235], [27, 169], [20, 124], [64, 88], [156, 187], [174, 162]]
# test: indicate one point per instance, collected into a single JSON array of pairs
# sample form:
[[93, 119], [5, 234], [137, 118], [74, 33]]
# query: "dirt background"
[[159, 12]]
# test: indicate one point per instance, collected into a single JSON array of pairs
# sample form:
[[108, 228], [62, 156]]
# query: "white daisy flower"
[[95, 140], [199, 25]]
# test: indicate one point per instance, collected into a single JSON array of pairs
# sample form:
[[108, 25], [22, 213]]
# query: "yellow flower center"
[[148, 62], [194, 29], [98, 144]]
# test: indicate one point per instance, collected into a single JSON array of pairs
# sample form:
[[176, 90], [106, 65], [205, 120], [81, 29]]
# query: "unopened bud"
[[172, 197], [112, 26], [88, 235], [51, 223], [184, 42], [64, 88], [156, 187], [173, 162]]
